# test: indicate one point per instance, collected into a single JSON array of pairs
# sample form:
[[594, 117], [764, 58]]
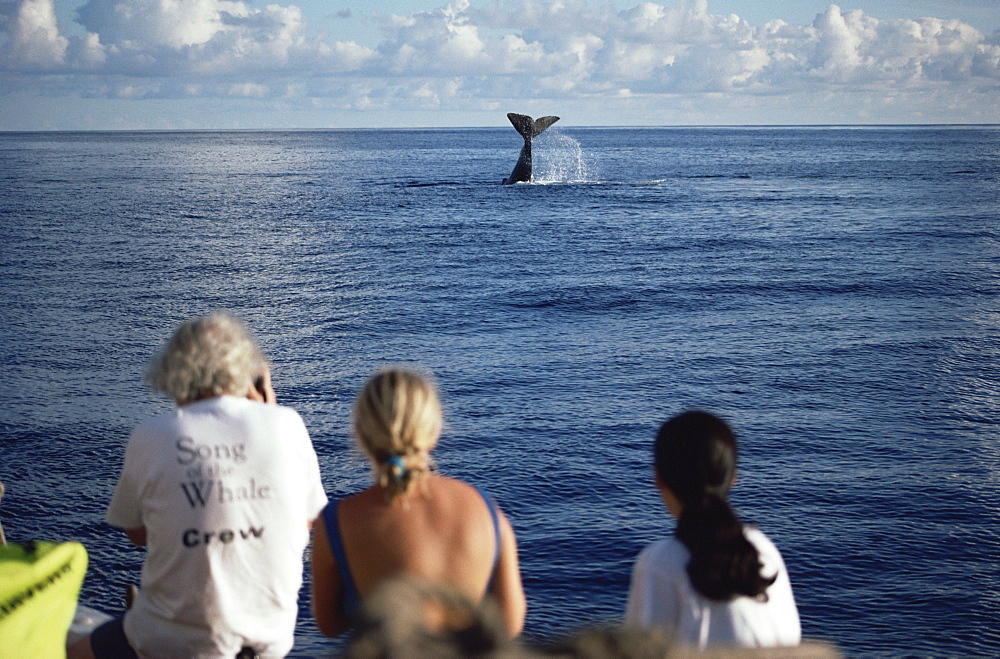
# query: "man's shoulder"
[[156, 425], [238, 406]]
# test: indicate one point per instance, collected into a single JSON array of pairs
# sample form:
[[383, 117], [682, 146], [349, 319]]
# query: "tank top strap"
[[492, 507], [351, 600]]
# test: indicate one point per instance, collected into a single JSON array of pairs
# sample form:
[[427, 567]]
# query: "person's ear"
[[672, 503]]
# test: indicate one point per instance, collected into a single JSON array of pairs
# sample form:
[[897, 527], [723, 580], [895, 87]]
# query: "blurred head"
[[397, 422], [695, 454], [406, 617], [619, 642], [208, 356]]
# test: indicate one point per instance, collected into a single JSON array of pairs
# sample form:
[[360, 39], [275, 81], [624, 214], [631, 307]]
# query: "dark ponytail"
[[695, 455]]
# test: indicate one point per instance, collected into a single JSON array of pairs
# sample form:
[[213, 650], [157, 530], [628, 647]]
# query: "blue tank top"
[[351, 600]]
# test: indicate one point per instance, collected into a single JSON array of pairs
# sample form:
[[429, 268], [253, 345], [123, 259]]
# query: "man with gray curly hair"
[[206, 357], [222, 491]]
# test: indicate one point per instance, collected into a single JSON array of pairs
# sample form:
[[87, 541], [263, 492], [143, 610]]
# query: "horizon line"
[[562, 126]]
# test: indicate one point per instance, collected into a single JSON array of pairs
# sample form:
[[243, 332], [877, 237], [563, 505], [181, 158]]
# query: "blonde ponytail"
[[397, 422]]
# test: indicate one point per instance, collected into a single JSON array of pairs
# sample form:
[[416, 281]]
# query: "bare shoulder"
[[455, 490], [451, 485], [360, 504]]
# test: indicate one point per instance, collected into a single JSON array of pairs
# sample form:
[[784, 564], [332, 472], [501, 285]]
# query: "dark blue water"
[[833, 292]]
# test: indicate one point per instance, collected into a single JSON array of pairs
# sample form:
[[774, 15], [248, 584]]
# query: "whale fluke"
[[529, 129]]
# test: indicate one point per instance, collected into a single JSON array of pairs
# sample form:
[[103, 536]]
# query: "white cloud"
[[146, 24], [685, 48], [88, 53], [839, 39], [34, 40], [438, 42], [248, 89], [206, 38], [459, 54]]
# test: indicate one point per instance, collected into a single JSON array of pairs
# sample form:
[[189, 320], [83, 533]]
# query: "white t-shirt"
[[661, 595], [225, 488]]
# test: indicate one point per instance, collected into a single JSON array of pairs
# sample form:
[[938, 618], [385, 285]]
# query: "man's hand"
[[262, 391], [137, 536]]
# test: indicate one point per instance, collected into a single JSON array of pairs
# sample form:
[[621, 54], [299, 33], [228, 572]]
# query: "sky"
[[299, 64]]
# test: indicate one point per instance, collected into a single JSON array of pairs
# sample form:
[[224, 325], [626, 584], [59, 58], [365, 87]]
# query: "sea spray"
[[558, 158]]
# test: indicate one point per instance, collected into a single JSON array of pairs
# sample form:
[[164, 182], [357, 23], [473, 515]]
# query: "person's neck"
[[202, 396]]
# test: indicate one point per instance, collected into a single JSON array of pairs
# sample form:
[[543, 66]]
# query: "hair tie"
[[397, 468]]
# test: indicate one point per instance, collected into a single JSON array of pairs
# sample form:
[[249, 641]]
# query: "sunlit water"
[[832, 292]]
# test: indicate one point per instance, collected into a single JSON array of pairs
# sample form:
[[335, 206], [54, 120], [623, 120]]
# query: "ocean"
[[833, 292]]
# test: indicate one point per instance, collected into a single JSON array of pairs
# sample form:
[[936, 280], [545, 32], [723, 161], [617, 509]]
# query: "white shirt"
[[661, 595], [225, 488]]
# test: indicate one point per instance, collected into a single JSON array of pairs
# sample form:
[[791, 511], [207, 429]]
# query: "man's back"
[[225, 488]]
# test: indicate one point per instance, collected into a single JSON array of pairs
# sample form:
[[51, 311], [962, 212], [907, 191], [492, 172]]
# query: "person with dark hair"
[[716, 582]]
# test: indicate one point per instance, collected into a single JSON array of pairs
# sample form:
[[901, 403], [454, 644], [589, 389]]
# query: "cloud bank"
[[459, 56]]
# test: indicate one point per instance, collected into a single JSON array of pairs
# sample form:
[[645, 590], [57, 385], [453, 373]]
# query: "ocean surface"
[[833, 292]]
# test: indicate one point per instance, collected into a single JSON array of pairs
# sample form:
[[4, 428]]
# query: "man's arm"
[[137, 536]]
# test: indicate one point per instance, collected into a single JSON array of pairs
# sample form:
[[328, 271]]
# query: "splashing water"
[[558, 158]]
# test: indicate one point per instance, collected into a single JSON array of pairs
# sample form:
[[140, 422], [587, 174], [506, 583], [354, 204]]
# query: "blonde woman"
[[411, 522]]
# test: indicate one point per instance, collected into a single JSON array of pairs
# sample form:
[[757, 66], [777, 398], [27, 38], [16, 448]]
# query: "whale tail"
[[530, 128]]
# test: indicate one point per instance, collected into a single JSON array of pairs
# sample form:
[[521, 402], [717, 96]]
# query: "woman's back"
[[444, 533], [661, 595]]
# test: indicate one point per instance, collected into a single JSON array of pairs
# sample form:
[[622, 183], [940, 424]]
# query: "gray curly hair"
[[208, 356]]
